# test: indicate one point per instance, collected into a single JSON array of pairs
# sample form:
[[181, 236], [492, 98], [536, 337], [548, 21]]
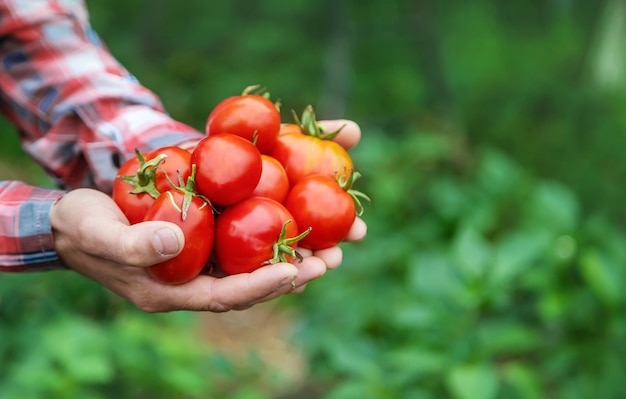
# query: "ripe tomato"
[[253, 233], [251, 116], [289, 128], [133, 189], [327, 205], [141, 179], [175, 165], [198, 224], [309, 151], [228, 168], [274, 183]]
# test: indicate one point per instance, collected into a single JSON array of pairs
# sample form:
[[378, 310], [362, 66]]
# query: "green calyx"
[[309, 126], [143, 180], [188, 189], [282, 247], [259, 90], [256, 90], [346, 181]]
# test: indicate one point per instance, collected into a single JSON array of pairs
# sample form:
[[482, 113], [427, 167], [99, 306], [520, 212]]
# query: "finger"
[[349, 135], [299, 289], [358, 231], [235, 292], [332, 257], [310, 268], [304, 252]]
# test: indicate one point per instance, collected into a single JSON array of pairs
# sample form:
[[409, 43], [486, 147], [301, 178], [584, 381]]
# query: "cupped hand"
[[316, 263], [94, 238]]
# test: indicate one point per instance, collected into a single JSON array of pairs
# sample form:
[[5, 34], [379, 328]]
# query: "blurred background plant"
[[495, 261]]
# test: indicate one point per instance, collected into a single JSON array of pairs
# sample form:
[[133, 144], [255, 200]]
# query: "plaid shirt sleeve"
[[79, 114], [24, 209]]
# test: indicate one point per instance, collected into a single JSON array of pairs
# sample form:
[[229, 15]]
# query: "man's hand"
[[94, 238]]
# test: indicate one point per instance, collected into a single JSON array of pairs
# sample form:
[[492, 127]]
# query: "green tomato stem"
[[189, 191], [346, 181], [309, 126], [143, 180], [282, 247]]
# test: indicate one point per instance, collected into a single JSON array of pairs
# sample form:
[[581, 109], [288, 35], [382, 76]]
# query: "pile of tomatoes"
[[248, 194]]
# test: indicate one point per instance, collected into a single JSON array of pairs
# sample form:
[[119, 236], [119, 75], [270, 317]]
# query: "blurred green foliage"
[[501, 287], [495, 261]]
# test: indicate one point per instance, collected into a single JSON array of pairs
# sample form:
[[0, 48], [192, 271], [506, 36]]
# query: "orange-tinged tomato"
[[303, 156], [289, 128]]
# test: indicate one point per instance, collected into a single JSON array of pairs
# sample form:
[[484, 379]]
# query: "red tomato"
[[253, 233], [274, 183], [228, 168], [328, 208], [304, 149], [176, 165], [133, 189], [141, 179], [198, 225], [250, 116]]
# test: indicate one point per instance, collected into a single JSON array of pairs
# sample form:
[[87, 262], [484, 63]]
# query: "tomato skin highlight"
[[304, 156], [228, 168], [319, 202], [199, 230], [250, 116], [245, 234], [274, 182]]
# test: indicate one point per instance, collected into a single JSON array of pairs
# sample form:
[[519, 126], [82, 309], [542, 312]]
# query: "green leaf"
[[352, 389], [433, 276], [515, 253], [81, 348], [356, 357], [472, 253], [602, 275], [507, 337], [432, 147], [412, 315], [498, 174], [416, 360], [448, 198], [473, 381], [524, 379], [553, 206]]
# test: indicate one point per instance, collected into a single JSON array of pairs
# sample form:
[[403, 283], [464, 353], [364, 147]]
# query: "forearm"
[[79, 111]]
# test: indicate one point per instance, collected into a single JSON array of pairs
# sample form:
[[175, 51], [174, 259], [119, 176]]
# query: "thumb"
[[144, 244], [89, 222]]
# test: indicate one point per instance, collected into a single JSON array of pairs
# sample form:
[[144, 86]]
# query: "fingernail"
[[165, 241]]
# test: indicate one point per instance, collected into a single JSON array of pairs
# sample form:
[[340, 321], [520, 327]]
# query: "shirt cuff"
[[28, 243]]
